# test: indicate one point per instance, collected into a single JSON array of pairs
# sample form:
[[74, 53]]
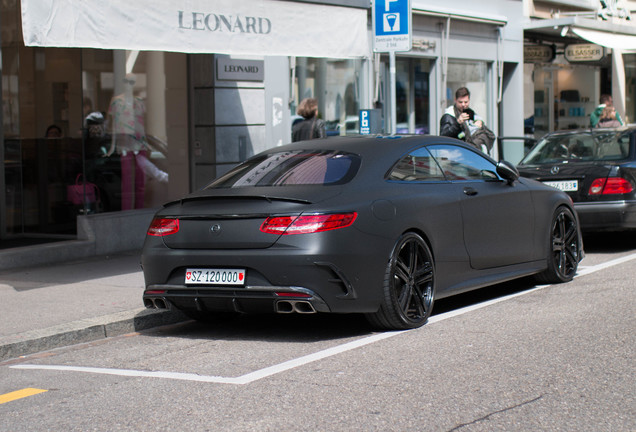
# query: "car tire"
[[564, 248], [409, 286]]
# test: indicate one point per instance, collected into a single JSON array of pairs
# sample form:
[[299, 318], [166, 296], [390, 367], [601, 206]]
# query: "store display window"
[[335, 84], [474, 76], [84, 133]]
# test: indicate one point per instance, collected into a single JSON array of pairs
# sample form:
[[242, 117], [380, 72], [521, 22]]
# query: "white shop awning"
[[609, 40], [420, 7], [620, 36], [246, 27]]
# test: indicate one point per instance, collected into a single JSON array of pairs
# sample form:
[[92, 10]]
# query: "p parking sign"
[[391, 25], [370, 121]]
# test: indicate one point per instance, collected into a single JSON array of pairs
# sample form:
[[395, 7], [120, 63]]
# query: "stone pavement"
[[49, 306]]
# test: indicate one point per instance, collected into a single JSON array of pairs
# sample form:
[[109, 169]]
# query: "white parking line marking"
[[301, 361], [133, 373], [243, 379], [602, 266]]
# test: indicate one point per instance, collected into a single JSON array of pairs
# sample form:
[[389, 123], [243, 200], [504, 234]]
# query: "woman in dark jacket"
[[311, 127]]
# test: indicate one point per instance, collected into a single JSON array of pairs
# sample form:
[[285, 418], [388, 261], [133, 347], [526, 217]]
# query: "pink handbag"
[[75, 192]]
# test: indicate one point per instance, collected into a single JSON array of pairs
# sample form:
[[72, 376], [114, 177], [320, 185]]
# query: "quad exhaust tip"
[[295, 306], [156, 303]]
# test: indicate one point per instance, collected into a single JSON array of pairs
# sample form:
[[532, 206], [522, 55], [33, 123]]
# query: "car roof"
[[563, 132], [378, 152], [369, 146]]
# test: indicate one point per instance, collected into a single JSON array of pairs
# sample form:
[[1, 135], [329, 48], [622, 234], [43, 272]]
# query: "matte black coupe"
[[596, 167], [375, 225]]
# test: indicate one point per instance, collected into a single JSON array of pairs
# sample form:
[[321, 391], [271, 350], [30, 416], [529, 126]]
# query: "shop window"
[[474, 76], [335, 84], [412, 96], [124, 127], [80, 120], [560, 95]]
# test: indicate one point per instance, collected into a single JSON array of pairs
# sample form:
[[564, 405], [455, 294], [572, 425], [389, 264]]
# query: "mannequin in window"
[[53, 131], [126, 113]]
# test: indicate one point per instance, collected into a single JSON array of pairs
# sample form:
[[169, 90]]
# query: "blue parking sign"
[[370, 121], [365, 126], [391, 25]]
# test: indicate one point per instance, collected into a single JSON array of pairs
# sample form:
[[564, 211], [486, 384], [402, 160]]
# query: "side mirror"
[[507, 171]]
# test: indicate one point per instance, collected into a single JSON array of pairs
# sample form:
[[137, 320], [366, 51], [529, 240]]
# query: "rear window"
[[585, 146], [290, 168]]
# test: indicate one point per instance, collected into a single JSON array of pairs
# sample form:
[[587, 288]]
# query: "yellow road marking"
[[19, 394]]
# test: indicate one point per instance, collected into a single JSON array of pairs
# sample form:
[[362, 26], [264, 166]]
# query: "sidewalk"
[[47, 307]]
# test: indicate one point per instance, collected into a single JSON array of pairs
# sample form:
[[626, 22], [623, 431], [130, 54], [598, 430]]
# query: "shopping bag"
[[75, 192]]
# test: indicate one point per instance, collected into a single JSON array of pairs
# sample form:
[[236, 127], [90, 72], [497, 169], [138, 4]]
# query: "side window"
[[581, 147], [614, 147], [623, 144], [418, 165], [459, 163]]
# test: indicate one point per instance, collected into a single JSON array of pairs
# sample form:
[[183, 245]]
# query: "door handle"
[[470, 191]]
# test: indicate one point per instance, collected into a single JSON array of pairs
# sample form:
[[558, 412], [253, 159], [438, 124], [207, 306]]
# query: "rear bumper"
[[606, 216], [342, 278], [248, 299]]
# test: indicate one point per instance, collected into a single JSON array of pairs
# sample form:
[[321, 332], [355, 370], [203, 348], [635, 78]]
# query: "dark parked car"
[[596, 167], [380, 226]]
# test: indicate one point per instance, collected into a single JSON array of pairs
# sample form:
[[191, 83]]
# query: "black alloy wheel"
[[409, 286], [564, 248]]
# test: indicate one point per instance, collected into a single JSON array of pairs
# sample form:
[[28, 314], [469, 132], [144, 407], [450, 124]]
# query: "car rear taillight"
[[610, 186], [307, 224], [163, 226]]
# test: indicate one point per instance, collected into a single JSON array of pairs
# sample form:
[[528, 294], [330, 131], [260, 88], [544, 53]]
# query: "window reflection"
[[459, 163], [474, 76], [335, 84], [59, 138], [412, 96]]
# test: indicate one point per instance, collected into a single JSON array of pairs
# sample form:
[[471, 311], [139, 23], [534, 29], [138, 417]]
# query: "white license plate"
[[564, 185], [202, 276]]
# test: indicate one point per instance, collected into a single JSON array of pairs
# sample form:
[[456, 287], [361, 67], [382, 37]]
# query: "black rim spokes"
[[565, 245], [413, 280]]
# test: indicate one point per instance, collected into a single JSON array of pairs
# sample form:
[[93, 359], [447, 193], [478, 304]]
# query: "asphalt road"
[[512, 357]]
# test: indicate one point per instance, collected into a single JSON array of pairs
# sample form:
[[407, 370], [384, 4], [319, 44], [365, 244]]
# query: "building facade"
[[575, 51], [112, 118], [151, 103]]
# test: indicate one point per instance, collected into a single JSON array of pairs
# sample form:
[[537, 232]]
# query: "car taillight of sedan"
[[307, 224], [160, 227], [610, 186]]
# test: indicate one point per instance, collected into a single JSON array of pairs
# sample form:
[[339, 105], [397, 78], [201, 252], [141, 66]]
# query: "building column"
[[618, 82]]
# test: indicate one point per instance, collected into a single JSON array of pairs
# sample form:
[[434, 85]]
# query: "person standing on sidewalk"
[[311, 127], [461, 122], [606, 102]]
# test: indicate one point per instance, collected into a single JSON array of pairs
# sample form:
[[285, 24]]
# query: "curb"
[[86, 330]]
